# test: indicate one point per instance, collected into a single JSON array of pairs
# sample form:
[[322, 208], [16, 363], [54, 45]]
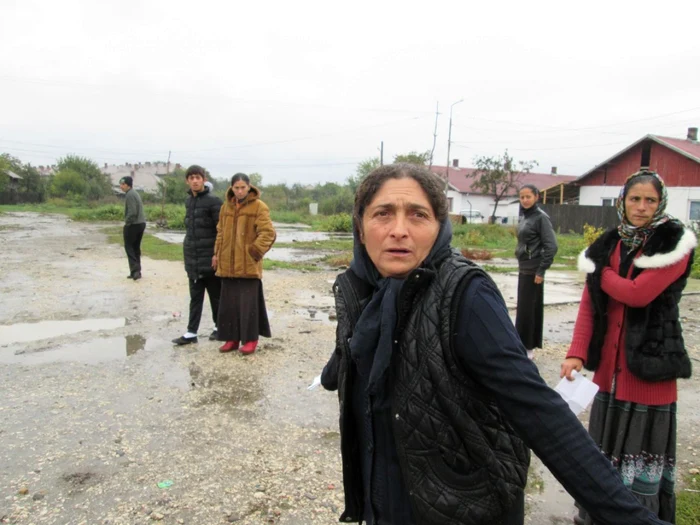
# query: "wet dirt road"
[[103, 421]]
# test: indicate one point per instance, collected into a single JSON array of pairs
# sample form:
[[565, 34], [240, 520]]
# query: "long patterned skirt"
[[640, 440]]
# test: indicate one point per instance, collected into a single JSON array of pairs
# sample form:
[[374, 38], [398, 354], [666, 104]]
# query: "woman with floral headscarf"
[[629, 332]]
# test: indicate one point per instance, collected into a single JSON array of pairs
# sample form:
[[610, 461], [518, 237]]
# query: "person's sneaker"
[[129, 276], [182, 340], [228, 346], [214, 335], [136, 276], [249, 347]]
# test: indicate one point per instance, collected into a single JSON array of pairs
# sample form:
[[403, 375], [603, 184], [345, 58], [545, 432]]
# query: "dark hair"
[[196, 170], [643, 177], [240, 176], [431, 184], [129, 181], [530, 187]]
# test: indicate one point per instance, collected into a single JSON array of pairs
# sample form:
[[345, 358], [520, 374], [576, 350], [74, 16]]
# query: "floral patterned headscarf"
[[634, 236]]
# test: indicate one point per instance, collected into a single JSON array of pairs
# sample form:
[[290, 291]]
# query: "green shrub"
[[341, 222]]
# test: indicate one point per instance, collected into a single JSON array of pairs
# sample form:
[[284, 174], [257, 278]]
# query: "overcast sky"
[[303, 91]]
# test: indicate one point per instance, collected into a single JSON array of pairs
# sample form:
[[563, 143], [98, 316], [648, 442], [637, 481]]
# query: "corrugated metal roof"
[[460, 182]]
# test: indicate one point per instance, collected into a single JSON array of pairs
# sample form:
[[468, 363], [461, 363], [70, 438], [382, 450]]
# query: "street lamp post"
[[449, 141]]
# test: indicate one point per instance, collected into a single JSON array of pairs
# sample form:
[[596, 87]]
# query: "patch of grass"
[[151, 246], [330, 244], [269, 264], [156, 248], [46, 207], [490, 268], [688, 503], [338, 259], [290, 217]]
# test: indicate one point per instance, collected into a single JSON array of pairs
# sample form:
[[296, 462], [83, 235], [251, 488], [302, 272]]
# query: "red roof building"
[[676, 160]]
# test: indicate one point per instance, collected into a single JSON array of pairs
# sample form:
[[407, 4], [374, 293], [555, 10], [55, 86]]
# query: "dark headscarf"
[[371, 343]]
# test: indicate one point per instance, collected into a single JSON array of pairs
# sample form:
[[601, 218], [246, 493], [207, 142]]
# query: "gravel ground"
[[102, 421]]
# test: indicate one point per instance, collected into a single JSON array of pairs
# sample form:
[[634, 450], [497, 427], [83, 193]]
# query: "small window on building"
[[450, 204], [694, 211], [646, 155], [608, 202]]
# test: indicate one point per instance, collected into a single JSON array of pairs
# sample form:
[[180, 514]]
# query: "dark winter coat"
[[460, 461], [654, 345], [201, 218], [536, 240]]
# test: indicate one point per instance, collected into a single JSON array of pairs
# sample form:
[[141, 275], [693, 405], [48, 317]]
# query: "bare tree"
[[498, 175]]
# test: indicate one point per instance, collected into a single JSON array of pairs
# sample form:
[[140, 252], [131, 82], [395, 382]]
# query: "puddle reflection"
[[91, 352], [26, 332]]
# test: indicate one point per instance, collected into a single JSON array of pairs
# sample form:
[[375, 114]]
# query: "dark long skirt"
[[640, 441], [242, 313], [529, 316]]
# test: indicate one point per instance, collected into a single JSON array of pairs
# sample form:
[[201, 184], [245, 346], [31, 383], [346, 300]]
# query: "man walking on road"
[[201, 217], [134, 226]]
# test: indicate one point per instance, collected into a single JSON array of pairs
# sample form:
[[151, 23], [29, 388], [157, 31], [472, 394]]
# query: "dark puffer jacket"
[[461, 460], [201, 218]]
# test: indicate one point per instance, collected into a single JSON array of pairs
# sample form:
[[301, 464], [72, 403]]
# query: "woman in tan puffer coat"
[[244, 234]]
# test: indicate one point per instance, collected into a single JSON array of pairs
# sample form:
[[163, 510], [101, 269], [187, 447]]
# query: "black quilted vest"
[[654, 344], [460, 460]]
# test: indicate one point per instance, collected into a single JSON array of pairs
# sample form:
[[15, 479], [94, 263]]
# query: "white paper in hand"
[[315, 383], [578, 393]]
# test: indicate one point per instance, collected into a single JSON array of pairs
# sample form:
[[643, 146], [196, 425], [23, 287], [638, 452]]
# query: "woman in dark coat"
[[537, 246], [628, 330], [438, 400]]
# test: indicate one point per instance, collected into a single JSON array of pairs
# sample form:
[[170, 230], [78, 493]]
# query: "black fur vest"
[[654, 344]]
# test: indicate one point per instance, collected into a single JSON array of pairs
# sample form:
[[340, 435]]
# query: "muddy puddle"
[[90, 352], [27, 332], [285, 234]]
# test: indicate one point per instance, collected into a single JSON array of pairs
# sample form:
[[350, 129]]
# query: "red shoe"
[[249, 347], [228, 346]]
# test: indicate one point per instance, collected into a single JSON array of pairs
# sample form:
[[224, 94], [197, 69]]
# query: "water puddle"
[[314, 314], [91, 352], [294, 254], [26, 332], [285, 234]]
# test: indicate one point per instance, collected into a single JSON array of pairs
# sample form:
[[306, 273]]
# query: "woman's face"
[[527, 198], [399, 227], [240, 189], [641, 202]]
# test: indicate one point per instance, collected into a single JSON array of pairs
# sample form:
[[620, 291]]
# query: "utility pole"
[[164, 184], [449, 142], [381, 154], [432, 151]]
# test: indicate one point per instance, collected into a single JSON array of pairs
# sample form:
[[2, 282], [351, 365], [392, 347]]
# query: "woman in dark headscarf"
[[628, 330], [537, 246], [438, 400]]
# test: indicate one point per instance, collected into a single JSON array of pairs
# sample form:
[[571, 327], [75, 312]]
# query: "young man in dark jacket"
[[134, 226], [201, 218]]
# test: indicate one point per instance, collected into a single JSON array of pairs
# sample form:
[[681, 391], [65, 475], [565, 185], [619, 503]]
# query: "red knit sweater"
[[623, 292]]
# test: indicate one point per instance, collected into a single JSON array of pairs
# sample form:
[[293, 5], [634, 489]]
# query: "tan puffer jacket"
[[244, 235]]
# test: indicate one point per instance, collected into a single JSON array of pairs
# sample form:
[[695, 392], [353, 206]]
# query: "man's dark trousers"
[[212, 285], [133, 233]]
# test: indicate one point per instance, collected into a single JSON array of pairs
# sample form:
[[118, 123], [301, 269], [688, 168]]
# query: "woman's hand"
[[214, 262], [539, 279], [569, 365]]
